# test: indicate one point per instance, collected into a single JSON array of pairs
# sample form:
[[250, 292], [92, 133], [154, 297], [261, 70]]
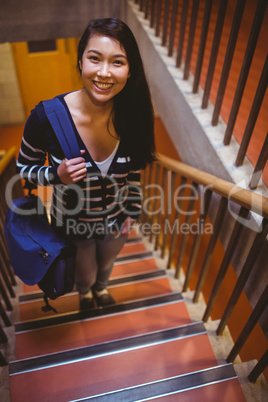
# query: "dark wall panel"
[[24, 20]]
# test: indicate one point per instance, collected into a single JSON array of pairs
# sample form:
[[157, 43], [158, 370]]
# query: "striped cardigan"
[[95, 205]]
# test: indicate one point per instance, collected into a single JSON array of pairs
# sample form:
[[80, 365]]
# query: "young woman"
[[96, 197]]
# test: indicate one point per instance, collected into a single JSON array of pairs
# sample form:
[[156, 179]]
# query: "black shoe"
[[104, 299], [86, 304]]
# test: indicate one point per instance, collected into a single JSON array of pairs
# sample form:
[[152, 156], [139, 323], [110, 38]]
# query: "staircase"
[[146, 347]]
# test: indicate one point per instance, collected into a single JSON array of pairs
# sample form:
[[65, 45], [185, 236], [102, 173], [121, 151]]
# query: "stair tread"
[[115, 371], [47, 321], [131, 267], [121, 293], [229, 391], [130, 248], [127, 278], [204, 385], [102, 329], [106, 348]]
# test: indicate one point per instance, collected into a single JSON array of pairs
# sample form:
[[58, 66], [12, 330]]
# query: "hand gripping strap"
[[61, 124]]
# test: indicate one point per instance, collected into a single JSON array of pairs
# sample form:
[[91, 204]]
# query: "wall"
[[21, 21], [11, 108], [33, 20]]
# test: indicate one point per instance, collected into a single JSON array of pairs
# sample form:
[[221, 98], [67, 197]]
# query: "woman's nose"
[[104, 70]]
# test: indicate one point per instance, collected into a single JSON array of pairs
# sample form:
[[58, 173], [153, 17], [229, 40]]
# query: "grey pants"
[[95, 259]]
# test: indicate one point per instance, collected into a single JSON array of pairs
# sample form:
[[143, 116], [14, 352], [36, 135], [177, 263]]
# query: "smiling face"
[[104, 68]]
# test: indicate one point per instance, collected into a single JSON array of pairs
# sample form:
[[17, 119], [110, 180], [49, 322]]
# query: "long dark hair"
[[133, 110]]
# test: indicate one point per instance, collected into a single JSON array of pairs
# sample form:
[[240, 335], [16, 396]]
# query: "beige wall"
[[11, 107]]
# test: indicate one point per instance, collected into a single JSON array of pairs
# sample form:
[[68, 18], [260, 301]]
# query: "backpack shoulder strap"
[[61, 124]]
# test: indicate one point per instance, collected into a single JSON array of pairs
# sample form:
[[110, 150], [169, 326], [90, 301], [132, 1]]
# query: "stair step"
[[129, 291], [183, 388], [134, 239], [127, 306], [130, 247], [103, 368], [133, 234], [105, 348], [129, 267], [222, 391], [100, 329], [133, 256], [113, 281]]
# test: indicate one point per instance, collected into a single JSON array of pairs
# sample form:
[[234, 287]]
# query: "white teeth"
[[102, 85]]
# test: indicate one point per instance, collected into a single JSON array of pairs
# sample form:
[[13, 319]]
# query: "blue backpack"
[[38, 255]]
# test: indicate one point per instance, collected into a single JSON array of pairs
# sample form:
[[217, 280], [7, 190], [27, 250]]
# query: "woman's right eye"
[[94, 58]]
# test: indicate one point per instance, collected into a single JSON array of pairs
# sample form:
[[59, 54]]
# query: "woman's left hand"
[[127, 225]]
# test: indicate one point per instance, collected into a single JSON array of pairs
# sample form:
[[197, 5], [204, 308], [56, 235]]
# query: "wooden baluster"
[[197, 240], [3, 203], [4, 316], [250, 324], [176, 218], [182, 32], [251, 46], [253, 253], [191, 39], [202, 45], [158, 18], [256, 105], [152, 13], [261, 162], [171, 186], [159, 218], [5, 277], [143, 195], [165, 23], [152, 220], [213, 239], [243, 213], [259, 368], [150, 176], [185, 236], [5, 296], [3, 361], [173, 27], [240, 5], [214, 51], [146, 14], [4, 249], [6, 261], [3, 337]]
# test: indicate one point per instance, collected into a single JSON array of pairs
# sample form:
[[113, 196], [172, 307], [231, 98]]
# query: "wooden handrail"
[[233, 192], [7, 158], [239, 195]]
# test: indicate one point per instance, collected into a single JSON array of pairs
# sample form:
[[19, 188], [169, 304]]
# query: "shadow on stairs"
[[144, 348]]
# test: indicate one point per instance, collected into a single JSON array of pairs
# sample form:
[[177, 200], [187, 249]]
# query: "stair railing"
[[7, 278], [172, 191], [186, 212], [177, 22]]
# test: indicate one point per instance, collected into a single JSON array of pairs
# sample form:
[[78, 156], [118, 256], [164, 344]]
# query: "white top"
[[104, 165]]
